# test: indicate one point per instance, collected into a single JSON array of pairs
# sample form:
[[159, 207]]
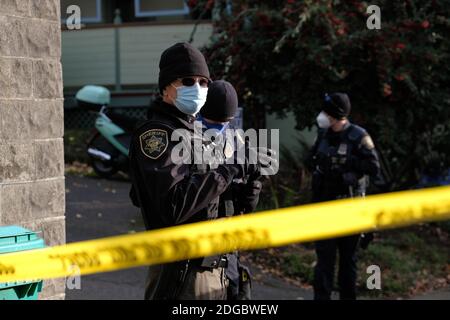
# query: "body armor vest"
[[333, 156]]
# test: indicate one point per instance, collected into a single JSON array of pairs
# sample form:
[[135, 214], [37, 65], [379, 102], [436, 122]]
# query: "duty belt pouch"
[[316, 186], [245, 283], [316, 181]]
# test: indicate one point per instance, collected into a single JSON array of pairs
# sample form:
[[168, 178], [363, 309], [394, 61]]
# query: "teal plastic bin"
[[14, 239]]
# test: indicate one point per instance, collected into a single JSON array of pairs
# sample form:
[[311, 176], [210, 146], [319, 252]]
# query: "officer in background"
[[172, 193], [342, 160], [242, 195]]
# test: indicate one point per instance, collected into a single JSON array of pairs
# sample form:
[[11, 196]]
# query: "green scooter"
[[108, 145]]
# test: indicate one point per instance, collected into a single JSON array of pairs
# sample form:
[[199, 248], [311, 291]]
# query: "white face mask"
[[323, 121]]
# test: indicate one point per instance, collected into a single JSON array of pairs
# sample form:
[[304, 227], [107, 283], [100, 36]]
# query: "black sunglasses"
[[189, 82]]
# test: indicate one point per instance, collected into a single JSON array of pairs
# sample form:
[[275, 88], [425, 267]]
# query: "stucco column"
[[32, 192]]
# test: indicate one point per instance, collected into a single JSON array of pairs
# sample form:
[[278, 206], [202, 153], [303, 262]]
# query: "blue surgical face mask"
[[220, 127], [190, 99]]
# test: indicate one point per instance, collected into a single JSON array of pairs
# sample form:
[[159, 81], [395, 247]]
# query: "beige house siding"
[[141, 48], [88, 55]]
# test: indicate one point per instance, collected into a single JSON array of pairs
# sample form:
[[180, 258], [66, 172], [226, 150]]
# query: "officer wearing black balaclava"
[[342, 159], [243, 194]]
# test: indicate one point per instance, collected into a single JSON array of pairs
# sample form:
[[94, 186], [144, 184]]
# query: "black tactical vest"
[[333, 155]]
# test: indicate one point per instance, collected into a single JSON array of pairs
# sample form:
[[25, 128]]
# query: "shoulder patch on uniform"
[[356, 132], [367, 142], [154, 143]]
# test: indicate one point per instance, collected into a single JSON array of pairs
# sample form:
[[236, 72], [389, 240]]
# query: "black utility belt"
[[215, 262], [223, 262]]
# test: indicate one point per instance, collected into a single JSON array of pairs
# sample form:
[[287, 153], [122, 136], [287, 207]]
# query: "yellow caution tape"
[[266, 229]]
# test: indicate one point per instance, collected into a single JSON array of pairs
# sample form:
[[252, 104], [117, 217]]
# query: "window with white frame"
[[158, 8], [91, 10]]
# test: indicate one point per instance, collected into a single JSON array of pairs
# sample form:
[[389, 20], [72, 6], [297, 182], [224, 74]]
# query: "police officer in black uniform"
[[242, 195], [342, 160], [171, 192]]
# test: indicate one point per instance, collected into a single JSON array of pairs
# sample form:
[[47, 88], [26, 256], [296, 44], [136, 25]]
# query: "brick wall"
[[32, 192]]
